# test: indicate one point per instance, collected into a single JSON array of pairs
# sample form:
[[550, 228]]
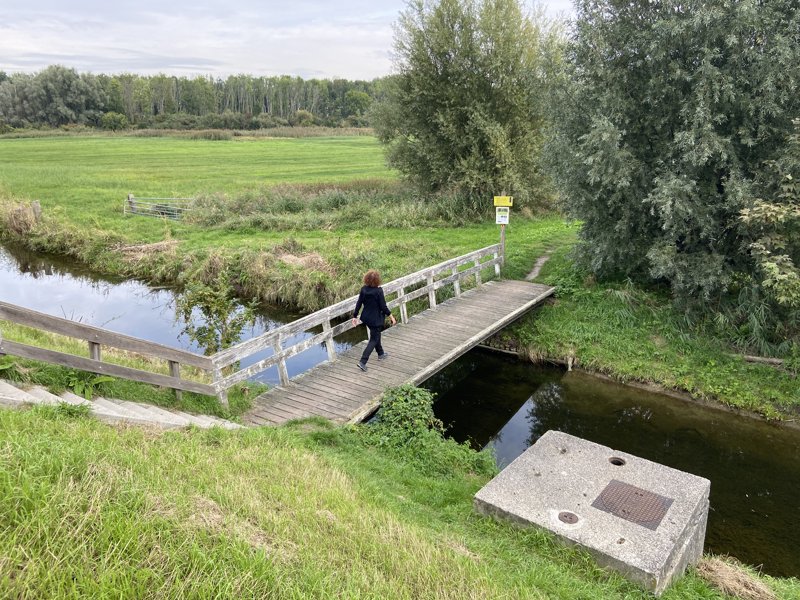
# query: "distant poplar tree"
[[668, 119], [464, 112]]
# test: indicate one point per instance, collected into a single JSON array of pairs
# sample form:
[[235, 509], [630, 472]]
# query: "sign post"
[[502, 209]]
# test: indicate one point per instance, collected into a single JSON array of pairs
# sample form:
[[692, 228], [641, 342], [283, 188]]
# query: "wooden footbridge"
[[418, 347]]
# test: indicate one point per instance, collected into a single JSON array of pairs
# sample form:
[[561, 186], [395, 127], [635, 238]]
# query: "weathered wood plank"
[[96, 335], [298, 404], [94, 366]]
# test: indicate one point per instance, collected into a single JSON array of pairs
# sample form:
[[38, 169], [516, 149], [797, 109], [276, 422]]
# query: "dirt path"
[[537, 266]]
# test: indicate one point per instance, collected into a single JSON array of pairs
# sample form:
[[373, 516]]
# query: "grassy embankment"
[[295, 512], [299, 220]]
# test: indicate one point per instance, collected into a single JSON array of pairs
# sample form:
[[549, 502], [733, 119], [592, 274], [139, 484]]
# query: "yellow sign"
[[504, 200]]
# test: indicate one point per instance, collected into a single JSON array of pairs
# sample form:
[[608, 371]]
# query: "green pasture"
[[88, 177]]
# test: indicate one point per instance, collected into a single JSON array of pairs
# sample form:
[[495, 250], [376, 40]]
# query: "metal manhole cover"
[[633, 504]]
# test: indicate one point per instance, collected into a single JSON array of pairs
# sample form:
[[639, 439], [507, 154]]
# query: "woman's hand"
[[393, 320], [355, 321]]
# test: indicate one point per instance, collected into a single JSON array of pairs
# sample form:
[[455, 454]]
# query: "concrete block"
[[13, 396], [642, 519], [45, 396], [166, 415]]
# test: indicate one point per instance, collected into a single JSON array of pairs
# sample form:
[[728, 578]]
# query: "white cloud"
[[310, 38]]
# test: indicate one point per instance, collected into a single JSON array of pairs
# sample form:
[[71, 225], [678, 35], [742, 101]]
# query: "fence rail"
[[223, 365], [484, 258], [96, 338], [168, 208]]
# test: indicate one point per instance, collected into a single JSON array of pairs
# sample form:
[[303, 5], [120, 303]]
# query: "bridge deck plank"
[[432, 339]]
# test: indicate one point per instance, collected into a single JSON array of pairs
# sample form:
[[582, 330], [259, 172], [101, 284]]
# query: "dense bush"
[[667, 123]]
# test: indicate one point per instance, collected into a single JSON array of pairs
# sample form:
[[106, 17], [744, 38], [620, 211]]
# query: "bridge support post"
[[456, 283], [403, 308], [431, 292], [175, 371], [478, 273], [94, 351], [283, 373], [329, 346], [222, 393]]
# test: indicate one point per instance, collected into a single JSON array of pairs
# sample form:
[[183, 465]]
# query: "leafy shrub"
[[86, 384], [405, 424], [113, 121]]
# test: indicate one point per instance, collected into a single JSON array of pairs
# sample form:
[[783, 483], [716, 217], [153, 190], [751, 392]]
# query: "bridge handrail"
[[274, 339], [96, 338]]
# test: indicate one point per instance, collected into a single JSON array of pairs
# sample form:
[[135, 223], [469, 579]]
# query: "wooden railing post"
[[175, 371], [222, 393], [94, 351], [403, 308], [478, 281], [496, 266], [431, 293], [329, 345], [456, 283], [283, 373]]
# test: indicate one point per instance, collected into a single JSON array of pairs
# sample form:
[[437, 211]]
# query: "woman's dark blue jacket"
[[374, 303]]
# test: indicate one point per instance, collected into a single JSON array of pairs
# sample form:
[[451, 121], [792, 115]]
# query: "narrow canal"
[[486, 399], [61, 288], [754, 467]]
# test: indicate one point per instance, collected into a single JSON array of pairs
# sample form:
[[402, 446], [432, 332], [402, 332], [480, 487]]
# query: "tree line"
[[58, 96]]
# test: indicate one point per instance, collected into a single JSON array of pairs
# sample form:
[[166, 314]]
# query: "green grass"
[[82, 177], [88, 510], [637, 335]]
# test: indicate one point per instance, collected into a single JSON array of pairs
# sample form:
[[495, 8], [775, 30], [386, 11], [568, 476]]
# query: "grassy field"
[[634, 334], [90, 176], [92, 511]]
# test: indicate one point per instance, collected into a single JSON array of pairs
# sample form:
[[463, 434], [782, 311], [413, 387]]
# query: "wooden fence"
[[96, 338], [166, 208], [454, 273], [224, 365]]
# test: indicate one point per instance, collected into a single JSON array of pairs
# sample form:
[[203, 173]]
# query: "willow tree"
[[464, 111], [668, 123]]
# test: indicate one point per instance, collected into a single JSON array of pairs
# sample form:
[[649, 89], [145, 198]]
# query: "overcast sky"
[[309, 38]]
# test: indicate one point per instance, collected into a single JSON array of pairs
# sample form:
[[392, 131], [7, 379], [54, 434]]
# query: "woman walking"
[[375, 311]]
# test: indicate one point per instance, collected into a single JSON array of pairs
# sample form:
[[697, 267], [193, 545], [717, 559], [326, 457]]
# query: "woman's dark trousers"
[[373, 344]]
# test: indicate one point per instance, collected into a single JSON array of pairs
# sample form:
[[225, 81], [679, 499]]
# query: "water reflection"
[[61, 288], [754, 467]]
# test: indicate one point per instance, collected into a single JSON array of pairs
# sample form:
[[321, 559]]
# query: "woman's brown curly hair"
[[372, 278]]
